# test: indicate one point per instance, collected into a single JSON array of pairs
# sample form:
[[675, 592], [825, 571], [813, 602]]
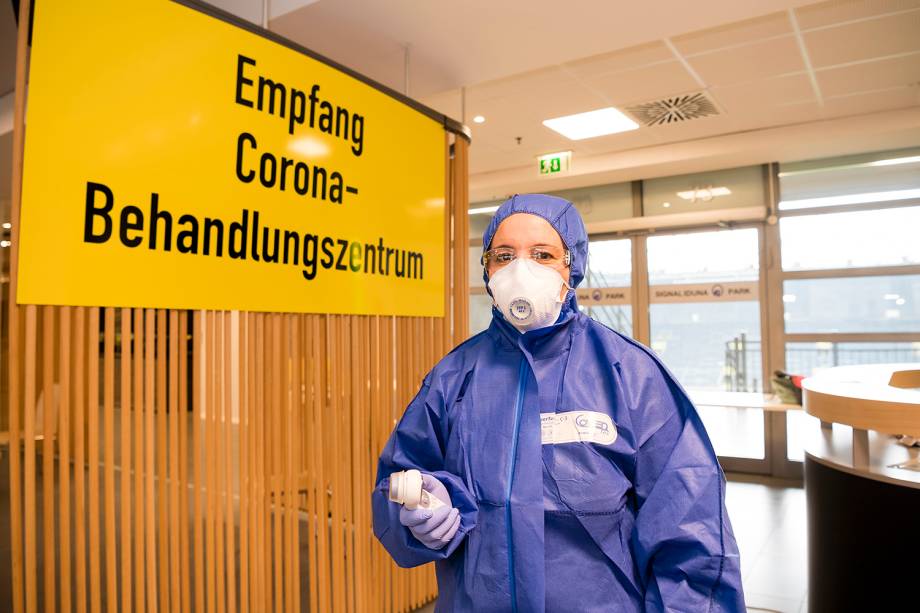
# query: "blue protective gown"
[[636, 525]]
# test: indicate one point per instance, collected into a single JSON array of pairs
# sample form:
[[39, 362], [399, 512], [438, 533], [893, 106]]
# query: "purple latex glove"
[[434, 528]]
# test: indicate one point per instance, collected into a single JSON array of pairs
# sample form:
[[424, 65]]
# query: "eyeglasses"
[[499, 257]]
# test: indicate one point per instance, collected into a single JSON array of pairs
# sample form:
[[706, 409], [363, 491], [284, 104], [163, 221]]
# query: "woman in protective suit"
[[575, 472]]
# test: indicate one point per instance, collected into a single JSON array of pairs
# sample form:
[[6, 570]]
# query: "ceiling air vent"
[[674, 109]]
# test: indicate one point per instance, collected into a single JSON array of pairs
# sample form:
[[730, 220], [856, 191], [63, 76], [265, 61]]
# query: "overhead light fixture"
[[911, 159], [666, 205], [593, 123], [704, 193], [483, 210], [479, 119], [889, 196], [891, 162], [7, 225], [4, 243]]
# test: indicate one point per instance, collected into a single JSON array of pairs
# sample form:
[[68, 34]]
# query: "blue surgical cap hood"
[[561, 215]]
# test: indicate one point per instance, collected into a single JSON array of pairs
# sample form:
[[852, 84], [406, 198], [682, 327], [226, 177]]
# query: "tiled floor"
[[768, 517]]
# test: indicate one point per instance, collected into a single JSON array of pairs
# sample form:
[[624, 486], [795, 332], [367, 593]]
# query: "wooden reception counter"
[[862, 487]]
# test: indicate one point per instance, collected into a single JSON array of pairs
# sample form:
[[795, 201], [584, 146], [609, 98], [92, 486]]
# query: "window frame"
[[771, 280]]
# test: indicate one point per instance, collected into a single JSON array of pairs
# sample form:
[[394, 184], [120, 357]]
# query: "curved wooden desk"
[[863, 499], [881, 397]]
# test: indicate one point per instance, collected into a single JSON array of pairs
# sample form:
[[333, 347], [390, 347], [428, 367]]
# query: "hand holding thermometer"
[[406, 489]]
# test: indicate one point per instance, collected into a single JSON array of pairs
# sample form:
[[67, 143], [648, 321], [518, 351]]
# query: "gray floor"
[[768, 517]]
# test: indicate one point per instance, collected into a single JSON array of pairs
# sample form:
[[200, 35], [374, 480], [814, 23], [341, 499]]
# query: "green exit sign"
[[554, 163]]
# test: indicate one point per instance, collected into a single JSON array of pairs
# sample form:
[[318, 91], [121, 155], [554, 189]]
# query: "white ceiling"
[[792, 79], [454, 44]]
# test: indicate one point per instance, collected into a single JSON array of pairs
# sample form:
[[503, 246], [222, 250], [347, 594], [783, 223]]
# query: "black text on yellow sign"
[[198, 165]]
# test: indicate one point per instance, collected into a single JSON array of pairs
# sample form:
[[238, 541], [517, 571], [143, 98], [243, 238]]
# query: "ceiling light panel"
[[600, 122], [704, 194]]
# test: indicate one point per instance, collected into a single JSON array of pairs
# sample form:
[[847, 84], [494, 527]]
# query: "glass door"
[[605, 294], [705, 324]]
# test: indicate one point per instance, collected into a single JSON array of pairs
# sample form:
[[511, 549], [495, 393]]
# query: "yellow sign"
[[174, 160]]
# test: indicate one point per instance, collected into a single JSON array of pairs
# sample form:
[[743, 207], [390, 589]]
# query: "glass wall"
[[709, 346], [699, 340], [480, 312], [809, 358], [609, 267], [872, 178], [849, 273], [705, 191], [480, 301], [884, 237], [888, 303], [601, 203], [609, 263], [711, 343], [849, 282], [702, 257]]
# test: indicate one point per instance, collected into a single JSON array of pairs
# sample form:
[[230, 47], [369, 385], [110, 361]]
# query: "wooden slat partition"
[[140, 549], [126, 414], [212, 461]]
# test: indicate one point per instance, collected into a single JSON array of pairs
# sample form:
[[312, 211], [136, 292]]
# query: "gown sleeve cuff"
[[398, 540]]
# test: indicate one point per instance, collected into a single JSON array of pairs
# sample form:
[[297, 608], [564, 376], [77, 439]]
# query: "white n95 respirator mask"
[[527, 294]]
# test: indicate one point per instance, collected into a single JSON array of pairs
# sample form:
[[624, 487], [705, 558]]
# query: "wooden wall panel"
[[164, 460]]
